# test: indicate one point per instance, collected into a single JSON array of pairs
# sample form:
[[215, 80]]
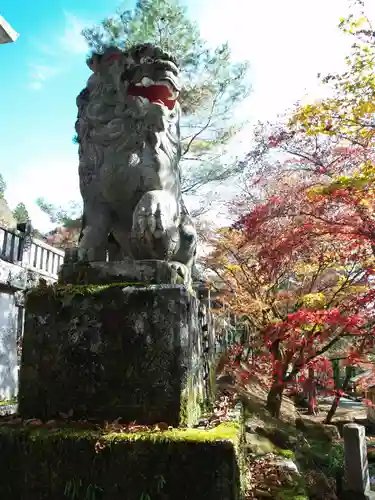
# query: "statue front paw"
[[182, 270], [154, 233]]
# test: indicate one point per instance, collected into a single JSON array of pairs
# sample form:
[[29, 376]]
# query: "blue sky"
[[44, 70], [286, 43]]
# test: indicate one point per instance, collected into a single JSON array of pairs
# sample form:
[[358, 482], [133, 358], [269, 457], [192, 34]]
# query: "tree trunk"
[[336, 372], [275, 394], [312, 393], [274, 399], [350, 372], [336, 401]]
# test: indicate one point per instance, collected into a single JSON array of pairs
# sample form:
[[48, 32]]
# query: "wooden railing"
[[39, 256], [43, 258], [10, 245]]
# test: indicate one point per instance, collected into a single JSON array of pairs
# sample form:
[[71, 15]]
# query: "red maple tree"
[[301, 260]]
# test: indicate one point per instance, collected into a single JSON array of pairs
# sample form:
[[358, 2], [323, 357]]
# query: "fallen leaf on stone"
[[262, 494], [52, 423], [161, 426], [33, 421], [99, 446]]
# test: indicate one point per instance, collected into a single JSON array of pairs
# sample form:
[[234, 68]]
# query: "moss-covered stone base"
[[43, 464], [103, 352]]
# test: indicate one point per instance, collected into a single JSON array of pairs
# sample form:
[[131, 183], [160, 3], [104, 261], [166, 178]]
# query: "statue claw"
[[182, 270]]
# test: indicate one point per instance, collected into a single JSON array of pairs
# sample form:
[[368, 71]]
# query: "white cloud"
[[54, 178], [72, 40], [40, 73], [69, 38], [44, 48], [35, 85], [287, 43]]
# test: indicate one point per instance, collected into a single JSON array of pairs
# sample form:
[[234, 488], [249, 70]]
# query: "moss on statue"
[[191, 403], [42, 463], [70, 291], [58, 290], [138, 271], [113, 350]]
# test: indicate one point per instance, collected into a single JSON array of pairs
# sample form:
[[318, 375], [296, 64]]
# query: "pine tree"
[[20, 213], [212, 87], [3, 186], [213, 83]]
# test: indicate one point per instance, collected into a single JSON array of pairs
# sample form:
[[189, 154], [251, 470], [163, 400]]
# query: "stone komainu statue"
[[128, 130]]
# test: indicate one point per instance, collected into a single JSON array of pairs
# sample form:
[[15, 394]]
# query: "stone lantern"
[[7, 33]]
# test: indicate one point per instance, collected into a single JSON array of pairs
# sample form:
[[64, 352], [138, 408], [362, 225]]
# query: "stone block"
[[103, 352]]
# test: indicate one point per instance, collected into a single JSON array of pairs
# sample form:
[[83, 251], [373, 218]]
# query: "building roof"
[[362, 375], [7, 33]]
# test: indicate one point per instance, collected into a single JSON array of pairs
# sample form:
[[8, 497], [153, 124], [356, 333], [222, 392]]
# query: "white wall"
[[8, 346]]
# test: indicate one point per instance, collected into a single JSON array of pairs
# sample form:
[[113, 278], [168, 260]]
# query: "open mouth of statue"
[[162, 92]]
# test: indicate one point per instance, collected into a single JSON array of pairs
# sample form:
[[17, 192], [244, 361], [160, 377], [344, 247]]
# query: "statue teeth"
[[147, 82], [166, 84], [173, 95], [143, 100]]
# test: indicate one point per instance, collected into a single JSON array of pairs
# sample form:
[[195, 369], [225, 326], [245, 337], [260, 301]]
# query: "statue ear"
[[102, 62], [111, 56], [93, 62]]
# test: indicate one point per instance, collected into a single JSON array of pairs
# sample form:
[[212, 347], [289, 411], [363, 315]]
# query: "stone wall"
[[9, 325], [19, 270]]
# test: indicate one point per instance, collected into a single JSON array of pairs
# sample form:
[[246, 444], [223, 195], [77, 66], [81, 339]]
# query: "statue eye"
[[146, 60]]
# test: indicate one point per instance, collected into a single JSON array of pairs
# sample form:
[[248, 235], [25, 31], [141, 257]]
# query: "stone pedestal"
[[39, 462], [109, 351]]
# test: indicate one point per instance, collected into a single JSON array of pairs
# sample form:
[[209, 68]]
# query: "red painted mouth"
[[157, 94]]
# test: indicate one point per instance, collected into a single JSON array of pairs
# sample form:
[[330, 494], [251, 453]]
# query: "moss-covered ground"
[[318, 456], [317, 450]]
